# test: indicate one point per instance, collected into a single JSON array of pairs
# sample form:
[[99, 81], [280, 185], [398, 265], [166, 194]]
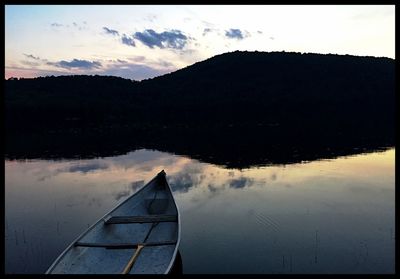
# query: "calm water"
[[329, 216]]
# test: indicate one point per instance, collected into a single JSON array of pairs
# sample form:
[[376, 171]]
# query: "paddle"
[[134, 257], [139, 248], [132, 260]]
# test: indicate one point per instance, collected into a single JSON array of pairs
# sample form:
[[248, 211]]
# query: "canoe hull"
[[152, 200]]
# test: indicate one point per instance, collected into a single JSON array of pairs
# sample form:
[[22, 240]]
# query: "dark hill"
[[276, 87], [54, 100], [252, 103]]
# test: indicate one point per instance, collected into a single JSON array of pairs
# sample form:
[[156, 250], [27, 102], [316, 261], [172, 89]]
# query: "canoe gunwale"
[[179, 228], [105, 216]]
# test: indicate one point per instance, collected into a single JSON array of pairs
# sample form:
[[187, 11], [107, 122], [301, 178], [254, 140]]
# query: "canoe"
[[139, 236]]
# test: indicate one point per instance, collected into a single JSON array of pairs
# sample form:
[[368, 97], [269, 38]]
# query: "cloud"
[[31, 56], [80, 27], [117, 61], [136, 68], [208, 24], [121, 194], [30, 63], [87, 167], [33, 61], [31, 73], [168, 39], [55, 24], [150, 17], [133, 71], [182, 182], [207, 30], [137, 184], [189, 176], [111, 31], [240, 182], [137, 58], [236, 34], [76, 63], [74, 24], [127, 40], [165, 64], [212, 188]]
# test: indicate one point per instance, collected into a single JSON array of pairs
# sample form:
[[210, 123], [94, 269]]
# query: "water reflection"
[[87, 167], [327, 216], [177, 268], [239, 147]]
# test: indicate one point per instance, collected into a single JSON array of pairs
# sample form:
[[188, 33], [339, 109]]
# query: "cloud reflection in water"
[[275, 205], [88, 167]]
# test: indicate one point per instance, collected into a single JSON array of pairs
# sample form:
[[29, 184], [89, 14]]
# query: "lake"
[[323, 216]]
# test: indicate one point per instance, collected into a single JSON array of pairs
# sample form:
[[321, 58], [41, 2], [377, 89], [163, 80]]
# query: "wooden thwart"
[[141, 219], [123, 245]]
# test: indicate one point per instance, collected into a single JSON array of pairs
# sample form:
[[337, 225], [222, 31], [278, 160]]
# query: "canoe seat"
[[140, 219]]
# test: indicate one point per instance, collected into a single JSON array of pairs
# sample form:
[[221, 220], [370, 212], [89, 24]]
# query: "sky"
[[144, 41]]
